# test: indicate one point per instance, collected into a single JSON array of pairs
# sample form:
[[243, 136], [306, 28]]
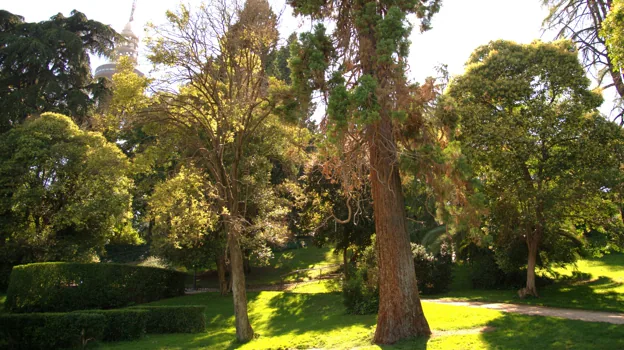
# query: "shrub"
[[485, 273], [360, 296], [122, 324], [361, 291], [175, 319], [5, 272], [57, 287], [434, 273], [50, 330]]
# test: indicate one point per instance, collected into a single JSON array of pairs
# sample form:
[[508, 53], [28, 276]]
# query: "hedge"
[[50, 330], [58, 287], [175, 319], [122, 324]]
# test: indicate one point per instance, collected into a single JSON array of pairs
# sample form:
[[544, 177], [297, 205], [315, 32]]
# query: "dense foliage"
[[47, 287], [361, 290], [50, 330], [45, 66], [546, 158], [64, 193], [175, 319], [122, 324]]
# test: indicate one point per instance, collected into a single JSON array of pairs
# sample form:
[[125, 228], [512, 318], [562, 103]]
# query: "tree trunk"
[[194, 278], [244, 333], [221, 269], [345, 263], [530, 289], [400, 312]]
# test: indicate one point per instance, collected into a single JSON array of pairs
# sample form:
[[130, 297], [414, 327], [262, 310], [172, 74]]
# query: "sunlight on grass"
[[318, 320]]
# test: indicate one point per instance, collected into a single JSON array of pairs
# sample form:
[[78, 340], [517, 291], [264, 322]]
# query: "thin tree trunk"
[[400, 311], [345, 263], [531, 289], [244, 332], [221, 269]]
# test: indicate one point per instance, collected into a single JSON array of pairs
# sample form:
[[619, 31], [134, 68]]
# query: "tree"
[[530, 128], [581, 21], [64, 193], [611, 32], [323, 208], [223, 111], [361, 70], [44, 67]]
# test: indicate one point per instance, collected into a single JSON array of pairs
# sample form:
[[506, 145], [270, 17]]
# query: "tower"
[[128, 48]]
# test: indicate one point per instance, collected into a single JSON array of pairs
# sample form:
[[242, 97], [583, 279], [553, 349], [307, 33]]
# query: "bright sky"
[[458, 28]]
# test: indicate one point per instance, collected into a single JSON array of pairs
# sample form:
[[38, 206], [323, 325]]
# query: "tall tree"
[[581, 21], [532, 133], [368, 99], [64, 193], [222, 102], [45, 67]]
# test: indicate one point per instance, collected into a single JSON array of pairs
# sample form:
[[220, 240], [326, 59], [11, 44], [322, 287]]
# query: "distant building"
[[128, 48]]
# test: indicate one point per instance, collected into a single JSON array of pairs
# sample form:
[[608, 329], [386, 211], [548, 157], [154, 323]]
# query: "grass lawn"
[[282, 263], [600, 287], [313, 318]]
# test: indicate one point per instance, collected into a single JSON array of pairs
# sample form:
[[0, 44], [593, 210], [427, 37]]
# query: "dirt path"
[[572, 314]]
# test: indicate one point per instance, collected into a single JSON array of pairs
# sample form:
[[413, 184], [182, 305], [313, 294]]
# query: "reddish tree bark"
[[400, 311], [221, 269]]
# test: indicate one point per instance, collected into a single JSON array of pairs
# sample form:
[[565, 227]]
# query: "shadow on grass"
[[294, 313], [513, 331]]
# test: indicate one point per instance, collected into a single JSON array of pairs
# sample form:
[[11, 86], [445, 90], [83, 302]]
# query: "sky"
[[459, 27]]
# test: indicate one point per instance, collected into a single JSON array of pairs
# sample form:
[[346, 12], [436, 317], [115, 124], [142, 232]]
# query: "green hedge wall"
[[58, 287], [175, 319], [50, 330], [122, 324]]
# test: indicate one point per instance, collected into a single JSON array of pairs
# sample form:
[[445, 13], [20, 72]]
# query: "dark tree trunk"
[[244, 333], [345, 263], [400, 312], [246, 264], [221, 272]]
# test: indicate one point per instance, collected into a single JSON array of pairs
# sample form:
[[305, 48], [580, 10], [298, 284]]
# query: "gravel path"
[[572, 314]]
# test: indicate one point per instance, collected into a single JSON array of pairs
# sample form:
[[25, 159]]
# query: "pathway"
[[572, 314]]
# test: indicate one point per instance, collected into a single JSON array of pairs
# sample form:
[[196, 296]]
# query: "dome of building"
[[128, 47]]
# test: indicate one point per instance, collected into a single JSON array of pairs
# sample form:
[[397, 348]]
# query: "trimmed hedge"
[[122, 324], [175, 319], [50, 330], [58, 287]]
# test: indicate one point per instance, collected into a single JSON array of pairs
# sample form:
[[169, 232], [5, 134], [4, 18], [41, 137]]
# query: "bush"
[[485, 273], [50, 330], [360, 295], [5, 272], [361, 291], [434, 273], [57, 287], [122, 324], [175, 319]]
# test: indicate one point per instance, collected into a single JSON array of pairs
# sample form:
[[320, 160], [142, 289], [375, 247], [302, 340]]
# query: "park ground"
[[312, 316]]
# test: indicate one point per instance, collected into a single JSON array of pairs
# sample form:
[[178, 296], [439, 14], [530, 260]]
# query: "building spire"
[[132, 12]]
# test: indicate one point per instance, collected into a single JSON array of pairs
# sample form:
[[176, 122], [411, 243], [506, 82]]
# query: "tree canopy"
[[531, 130], [64, 193], [45, 66]]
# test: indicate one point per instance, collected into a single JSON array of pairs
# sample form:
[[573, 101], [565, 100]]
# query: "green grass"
[[318, 320], [282, 263], [593, 284]]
